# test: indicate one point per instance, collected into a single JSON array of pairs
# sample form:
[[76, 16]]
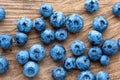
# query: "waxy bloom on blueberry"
[[2, 13], [31, 69], [58, 73], [24, 25], [39, 24], [57, 19], [5, 41], [46, 10], [57, 52], [116, 9], [37, 52], [74, 23]]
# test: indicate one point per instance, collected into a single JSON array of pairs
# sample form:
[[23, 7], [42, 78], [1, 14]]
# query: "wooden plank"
[[29, 8]]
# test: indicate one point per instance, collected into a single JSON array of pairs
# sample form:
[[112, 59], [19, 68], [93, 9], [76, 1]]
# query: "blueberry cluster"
[[100, 49]]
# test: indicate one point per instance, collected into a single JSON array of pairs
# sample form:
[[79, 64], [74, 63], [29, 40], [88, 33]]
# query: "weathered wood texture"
[[29, 8]]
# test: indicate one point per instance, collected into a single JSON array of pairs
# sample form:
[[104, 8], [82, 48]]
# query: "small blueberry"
[[69, 63], [2, 13], [116, 9], [86, 75], [39, 24], [83, 63], [58, 73], [95, 37], [91, 5], [24, 25], [4, 65], [46, 10], [100, 23], [22, 56], [94, 53], [102, 75], [57, 19], [77, 47], [61, 34], [74, 23], [30, 69], [5, 41], [47, 36], [37, 52], [57, 52], [110, 47], [20, 38], [104, 60]]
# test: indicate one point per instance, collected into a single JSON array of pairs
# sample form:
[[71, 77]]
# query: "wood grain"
[[29, 8]]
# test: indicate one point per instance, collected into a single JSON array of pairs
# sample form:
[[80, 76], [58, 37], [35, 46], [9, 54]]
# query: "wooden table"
[[29, 8]]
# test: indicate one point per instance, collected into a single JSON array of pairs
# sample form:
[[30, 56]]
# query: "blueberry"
[[69, 63], [24, 25], [20, 38], [46, 10], [110, 47], [102, 75], [22, 56], [58, 73], [104, 60], [57, 52], [2, 13], [47, 36], [39, 24], [57, 19], [116, 9], [4, 65], [86, 75], [74, 23], [37, 52], [91, 5], [100, 23], [118, 42], [77, 47], [83, 63], [94, 53], [95, 37], [5, 41], [30, 69], [61, 35]]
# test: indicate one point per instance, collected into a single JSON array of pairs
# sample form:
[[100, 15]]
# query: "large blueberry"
[[31, 69], [102, 75], [83, 63], [94, 53], [95, 37], [24, 25], [57, 19], [46, 10], [22, 56], [39, 24], [100, 23], [5, 41], [20, 38], [57, 52], [47, 36], [77, 47], [86, 75], [74, 23], [37, 52], [110, 47], [58, 73]]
